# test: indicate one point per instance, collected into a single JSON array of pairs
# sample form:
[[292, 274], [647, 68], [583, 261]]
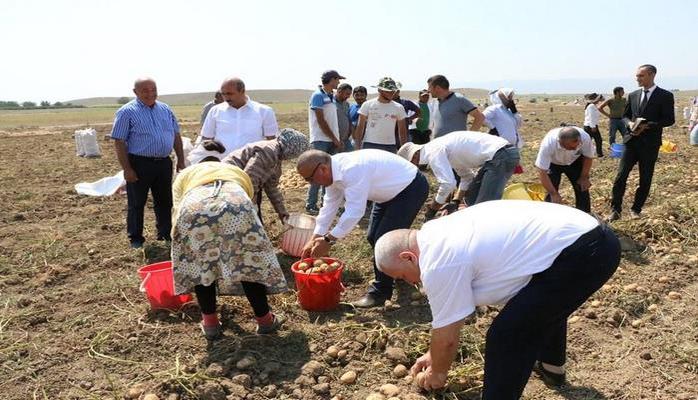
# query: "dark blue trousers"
[[397, 213], [154, 175], [533, 324]]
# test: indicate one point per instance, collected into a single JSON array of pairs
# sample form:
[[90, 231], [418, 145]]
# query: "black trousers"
[[533, 324], [645, 157], [596, 135], [154, 175], [573, 172], [396, 213], [256, 294]]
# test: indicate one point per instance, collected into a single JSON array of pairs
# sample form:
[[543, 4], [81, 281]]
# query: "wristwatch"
[[328, 240]]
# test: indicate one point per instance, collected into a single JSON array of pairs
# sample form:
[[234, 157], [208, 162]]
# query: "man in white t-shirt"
[[396, 188], [238, 121], [462, 152], [567, 150], [377, 119], [541, 261]]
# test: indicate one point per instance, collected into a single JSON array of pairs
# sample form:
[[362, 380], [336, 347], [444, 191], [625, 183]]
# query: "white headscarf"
[[495, 95]]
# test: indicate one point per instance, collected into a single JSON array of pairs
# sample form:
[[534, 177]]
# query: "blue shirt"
[[354, 114], [319, 98], [147, 131]]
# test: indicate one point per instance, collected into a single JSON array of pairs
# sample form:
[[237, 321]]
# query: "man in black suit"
[[656, 106]]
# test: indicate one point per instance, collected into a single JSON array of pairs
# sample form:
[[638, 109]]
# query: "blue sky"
[[59, 50]]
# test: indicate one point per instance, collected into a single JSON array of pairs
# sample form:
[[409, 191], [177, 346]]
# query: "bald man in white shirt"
[[396, 187], [541, 261], [567, 150]]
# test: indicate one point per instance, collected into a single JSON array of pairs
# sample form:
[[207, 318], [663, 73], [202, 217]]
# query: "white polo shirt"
[[462, 151], [550, 151], [485, 254], [357, 177], [320, 100], [236, 127]]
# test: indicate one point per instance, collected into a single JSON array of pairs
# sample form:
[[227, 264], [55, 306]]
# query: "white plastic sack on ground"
[[86, 143], [103, 187]]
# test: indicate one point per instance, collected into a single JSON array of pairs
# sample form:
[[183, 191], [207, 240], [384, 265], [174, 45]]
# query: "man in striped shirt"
[[145, 131]]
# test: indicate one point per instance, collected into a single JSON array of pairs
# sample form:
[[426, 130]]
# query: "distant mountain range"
[[263, 96], [579, 86]]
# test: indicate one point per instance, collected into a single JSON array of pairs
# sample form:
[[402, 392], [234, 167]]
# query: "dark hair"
[[618, 89], [210, 158], [361, 89], [439, 80], [343, 86], [212, 145], [649, 67]]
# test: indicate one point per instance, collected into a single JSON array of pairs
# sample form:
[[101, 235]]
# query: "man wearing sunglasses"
[[396, 187]]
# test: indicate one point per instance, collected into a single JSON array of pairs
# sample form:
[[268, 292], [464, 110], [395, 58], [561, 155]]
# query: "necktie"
[[643, 104]]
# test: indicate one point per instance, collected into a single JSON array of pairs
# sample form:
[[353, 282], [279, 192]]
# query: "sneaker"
[[549, 378], [136, 245], [271, 328], [613, 216], [312, 210], [212, 332], [635, 215]]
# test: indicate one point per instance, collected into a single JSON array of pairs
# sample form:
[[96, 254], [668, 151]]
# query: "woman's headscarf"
[[496, 95], [292, 142]]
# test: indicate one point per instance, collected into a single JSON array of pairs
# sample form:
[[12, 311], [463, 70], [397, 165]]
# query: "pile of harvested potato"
[[318, 266], [291, 180]]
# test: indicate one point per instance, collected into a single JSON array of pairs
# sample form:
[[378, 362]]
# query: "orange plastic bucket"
[[319, 292], [158, 285]]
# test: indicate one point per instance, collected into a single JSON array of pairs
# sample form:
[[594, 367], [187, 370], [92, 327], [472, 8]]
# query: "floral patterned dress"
[[218, 237]]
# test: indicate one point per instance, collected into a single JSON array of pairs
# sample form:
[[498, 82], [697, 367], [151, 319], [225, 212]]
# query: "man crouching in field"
[[541, 260]]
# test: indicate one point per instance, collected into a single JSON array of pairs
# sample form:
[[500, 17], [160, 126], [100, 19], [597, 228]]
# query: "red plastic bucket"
[[319, 292], [158, 285]]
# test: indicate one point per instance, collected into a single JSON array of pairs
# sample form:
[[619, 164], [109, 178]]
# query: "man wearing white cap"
[[378, 118], [463, 152]]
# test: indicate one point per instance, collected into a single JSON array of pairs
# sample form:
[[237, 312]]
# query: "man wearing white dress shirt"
[[238, 121], [396, 187], [464, 152], [567, 150], [540, 261]]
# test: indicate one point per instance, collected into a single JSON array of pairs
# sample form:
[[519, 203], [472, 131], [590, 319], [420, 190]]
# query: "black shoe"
[[369, 300], [312, 210], [549, 378], [613, 216], [136, 245]]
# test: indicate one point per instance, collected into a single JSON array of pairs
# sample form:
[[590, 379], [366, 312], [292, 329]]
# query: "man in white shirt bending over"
[[567, 150], [463, 152], [377, 119], [541, 261], [238, 120], [396, 187]]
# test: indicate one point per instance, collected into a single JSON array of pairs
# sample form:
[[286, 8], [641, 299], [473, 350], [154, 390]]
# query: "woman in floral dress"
[[219, 245]]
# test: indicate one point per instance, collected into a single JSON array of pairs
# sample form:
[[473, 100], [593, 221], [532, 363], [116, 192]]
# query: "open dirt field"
[[73, 324]]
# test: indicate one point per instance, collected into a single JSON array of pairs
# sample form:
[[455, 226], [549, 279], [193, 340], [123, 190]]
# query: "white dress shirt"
[[357, 177], [506, 122], [236, 127], [649, 94], [485, 254], [462, 151], [591, 116], [551, 152]]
